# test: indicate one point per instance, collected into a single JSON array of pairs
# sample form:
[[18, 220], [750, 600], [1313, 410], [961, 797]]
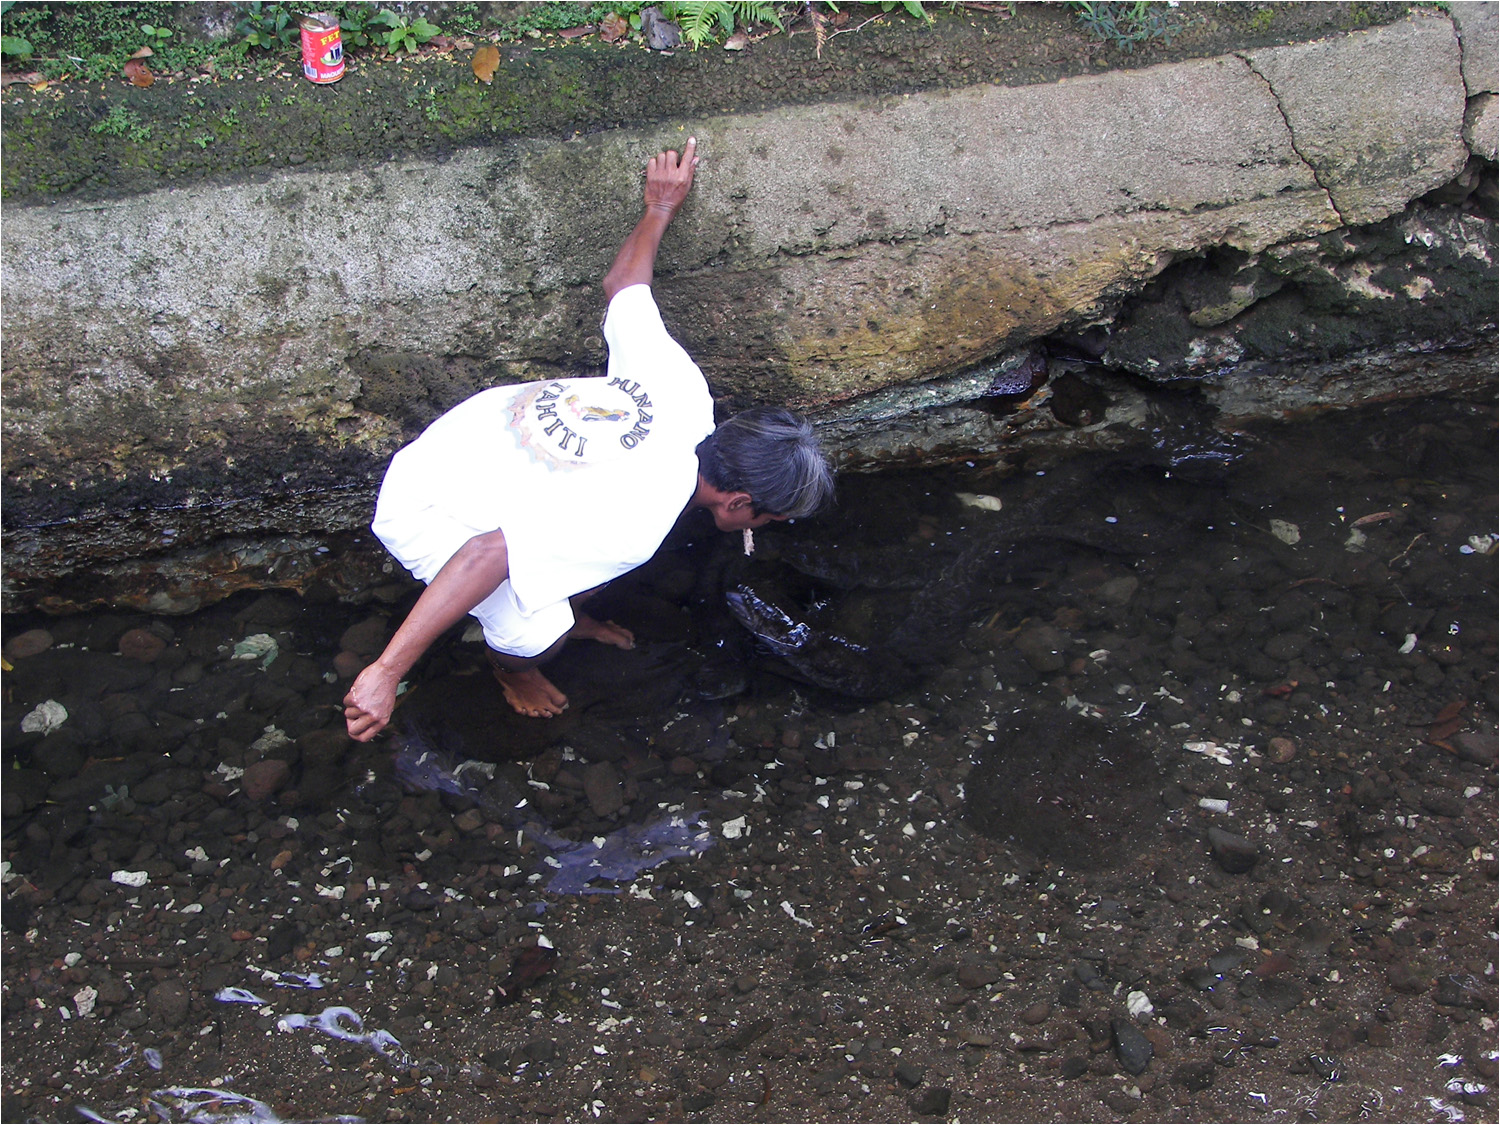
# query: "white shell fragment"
[[1210, 749], [128, 878], [1288, 533], [734, 829], [45, 717], [979, 500]]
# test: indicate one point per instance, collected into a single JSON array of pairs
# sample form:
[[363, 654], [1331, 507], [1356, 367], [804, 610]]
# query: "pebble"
[[1281, 750], [1132, 1048], [1043, 647], [1194, 1076], [264, 778], [347, 665], [1477, 746], [932, 1102], [1442, 802], [1233, 853], [910, 1074], [168, 1003], [977, 974], [1036, 1013], [366, 638], [33, 642], [603, 788], [142, 645]]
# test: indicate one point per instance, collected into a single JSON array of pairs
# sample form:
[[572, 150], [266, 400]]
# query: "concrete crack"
[[1292, 137]]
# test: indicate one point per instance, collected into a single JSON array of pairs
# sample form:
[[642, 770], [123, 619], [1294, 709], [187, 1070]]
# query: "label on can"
[[322, 48]]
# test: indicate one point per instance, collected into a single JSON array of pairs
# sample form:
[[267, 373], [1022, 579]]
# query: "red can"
[[322, 48]]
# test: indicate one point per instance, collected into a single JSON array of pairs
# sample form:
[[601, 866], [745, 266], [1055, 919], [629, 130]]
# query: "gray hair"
[[773, 455]]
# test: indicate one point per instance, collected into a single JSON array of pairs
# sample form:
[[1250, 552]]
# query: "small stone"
[[30, 643], [168, 1003], [977, 974], [1233, 853], [264, 778], [1074, 1066], [367, 637], [1403, 978], [1043, 647], [1132, 1048], [1281, 750], [1037, 1013], [1477, 746], [142, 645], [1194, 1076], [683, 766], [1442, 802], [603, 788], [470, 820], [910, 1074], [932, 1102], [1117, 592], [347, 665]]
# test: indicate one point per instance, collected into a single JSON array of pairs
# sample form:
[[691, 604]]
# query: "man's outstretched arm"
[[471, 575], [668, 179]]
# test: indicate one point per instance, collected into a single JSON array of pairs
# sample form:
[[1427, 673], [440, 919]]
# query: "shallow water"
[[1097, 672]]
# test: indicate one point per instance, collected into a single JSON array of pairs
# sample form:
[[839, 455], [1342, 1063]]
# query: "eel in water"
[[822, 658], [952, 584]]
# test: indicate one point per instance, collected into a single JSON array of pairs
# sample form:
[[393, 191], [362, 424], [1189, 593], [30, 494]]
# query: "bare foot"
[[605, 632], [531, 693]]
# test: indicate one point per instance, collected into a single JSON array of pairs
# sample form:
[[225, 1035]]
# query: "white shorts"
[[422, 538]]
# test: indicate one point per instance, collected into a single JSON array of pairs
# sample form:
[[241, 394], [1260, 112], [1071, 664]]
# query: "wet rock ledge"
[[204, 380]]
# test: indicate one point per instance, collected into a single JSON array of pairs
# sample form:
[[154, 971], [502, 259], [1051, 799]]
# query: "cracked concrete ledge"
[[283, 335], [1374, 163]]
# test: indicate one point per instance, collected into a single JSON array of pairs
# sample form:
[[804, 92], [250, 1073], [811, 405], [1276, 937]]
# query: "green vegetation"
[[94, 40], [267, 26], [121, 121], [1126, 24], [701, 19], [400, 34]]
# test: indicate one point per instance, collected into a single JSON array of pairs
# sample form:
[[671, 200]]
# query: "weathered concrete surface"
[[1478, 24], [266, 340]]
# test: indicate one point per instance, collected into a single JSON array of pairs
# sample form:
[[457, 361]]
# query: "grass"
[[93, 41]]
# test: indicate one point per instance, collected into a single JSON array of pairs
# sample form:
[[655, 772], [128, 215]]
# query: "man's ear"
[[738, 500]]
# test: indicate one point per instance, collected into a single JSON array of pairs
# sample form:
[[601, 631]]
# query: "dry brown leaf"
[[138, 73], [486, 61], [1451, 711], [143, 53], [30, 77], [577, 32], [820, 30], [737, 41], [614, 27]]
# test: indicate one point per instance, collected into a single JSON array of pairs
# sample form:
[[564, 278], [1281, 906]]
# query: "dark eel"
[[822, 658], [952, 584]]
